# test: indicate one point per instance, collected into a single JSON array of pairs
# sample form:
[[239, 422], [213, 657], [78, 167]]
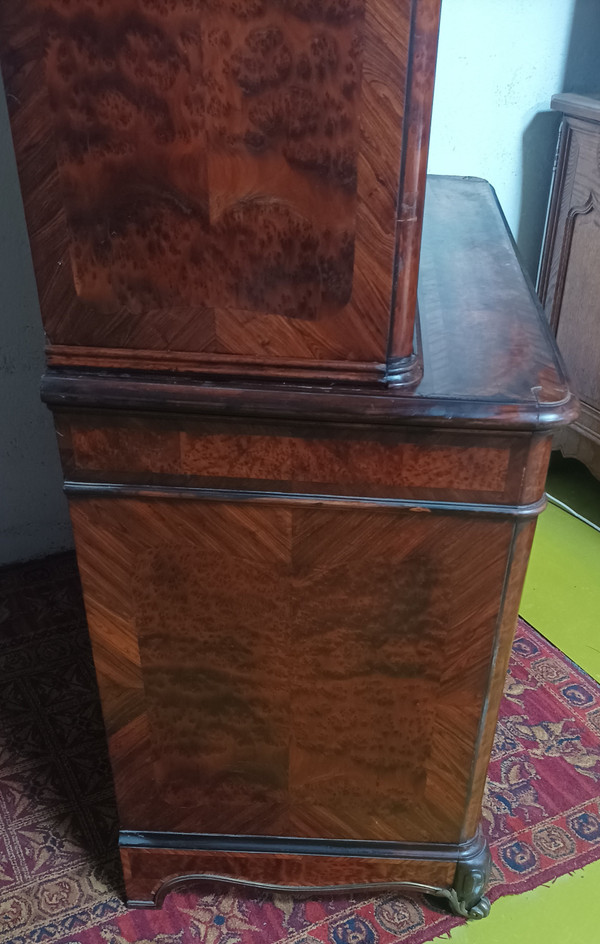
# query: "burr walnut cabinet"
[[302, 506]]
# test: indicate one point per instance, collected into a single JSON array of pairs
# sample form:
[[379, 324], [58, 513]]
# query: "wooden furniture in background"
[[302, 534], [569, 280]]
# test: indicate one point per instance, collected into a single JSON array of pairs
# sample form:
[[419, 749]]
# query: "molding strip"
[[274, 845], [114, 489]]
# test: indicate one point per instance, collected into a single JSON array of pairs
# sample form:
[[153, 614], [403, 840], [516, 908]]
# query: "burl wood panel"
[[337, 460], [489, 360], [208, 152], [227, 173], [332, 459], [297, 671], [150, 873]]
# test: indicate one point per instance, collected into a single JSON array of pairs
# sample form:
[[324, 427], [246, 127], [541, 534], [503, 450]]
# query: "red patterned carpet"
[[59, 879]]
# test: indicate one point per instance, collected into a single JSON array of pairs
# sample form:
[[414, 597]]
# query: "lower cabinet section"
[[152, 868], [150, 874], [303, 668]]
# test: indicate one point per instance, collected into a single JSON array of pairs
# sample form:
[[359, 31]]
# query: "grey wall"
[[33, 513], [499, 63]]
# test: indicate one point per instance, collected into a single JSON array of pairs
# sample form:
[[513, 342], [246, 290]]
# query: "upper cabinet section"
[[223, 185]]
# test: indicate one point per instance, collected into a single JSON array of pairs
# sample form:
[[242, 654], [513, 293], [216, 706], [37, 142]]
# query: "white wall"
[[499, 63]]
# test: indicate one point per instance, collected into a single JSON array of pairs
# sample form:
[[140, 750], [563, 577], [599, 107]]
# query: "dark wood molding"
[[585, 107], [444, 852], [470, 865], [114, 489], [217, 366], [336, 402]]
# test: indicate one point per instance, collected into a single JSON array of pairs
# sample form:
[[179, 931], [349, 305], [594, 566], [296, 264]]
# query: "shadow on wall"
[[582, 76]]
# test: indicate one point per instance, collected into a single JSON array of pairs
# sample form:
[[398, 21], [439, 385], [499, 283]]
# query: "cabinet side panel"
[[216, 179], [291, 669], [311, 458], [515, 578]]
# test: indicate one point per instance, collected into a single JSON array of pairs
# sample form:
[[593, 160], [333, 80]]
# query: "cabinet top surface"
[[489, 357], [578, 106], [485, 335]]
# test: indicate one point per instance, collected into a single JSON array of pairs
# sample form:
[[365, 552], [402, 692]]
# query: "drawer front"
[[303, 458], [295, 668]]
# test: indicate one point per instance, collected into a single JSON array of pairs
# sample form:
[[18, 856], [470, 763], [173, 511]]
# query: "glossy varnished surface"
[[151, 875], [289, 670], [489, 357], [301, 597], [485, 336], [209, 153], [303, 458], [228, 176]]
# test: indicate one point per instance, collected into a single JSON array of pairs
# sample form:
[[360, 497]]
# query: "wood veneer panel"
[[488, 355], [313, 458], [219, 178], [515, 577], [307, 671], [536, 468], [309, 458], [147, 870]]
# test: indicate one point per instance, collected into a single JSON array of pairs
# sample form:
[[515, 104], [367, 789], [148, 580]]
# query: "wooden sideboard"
[[302, 514], [569, 278]]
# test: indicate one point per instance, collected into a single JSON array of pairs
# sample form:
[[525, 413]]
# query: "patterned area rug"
[[59, 878]]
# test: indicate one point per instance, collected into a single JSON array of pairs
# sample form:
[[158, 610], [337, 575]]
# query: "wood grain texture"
[[291, 671], [568, 281], [208, 157], [533, 481], [218, 178], [489, 357], [301, 629], [303, 458], [423, 53], [486, 337], [150, 874], [507, 621], [310, 458]]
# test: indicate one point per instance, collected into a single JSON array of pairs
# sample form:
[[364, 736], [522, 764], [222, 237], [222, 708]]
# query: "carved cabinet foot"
[[466, 898]]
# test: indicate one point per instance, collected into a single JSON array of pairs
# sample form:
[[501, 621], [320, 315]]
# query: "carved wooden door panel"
[[217, 178], [262, 675]]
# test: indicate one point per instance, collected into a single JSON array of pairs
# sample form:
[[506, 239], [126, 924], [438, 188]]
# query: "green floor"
[[562, 600]]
